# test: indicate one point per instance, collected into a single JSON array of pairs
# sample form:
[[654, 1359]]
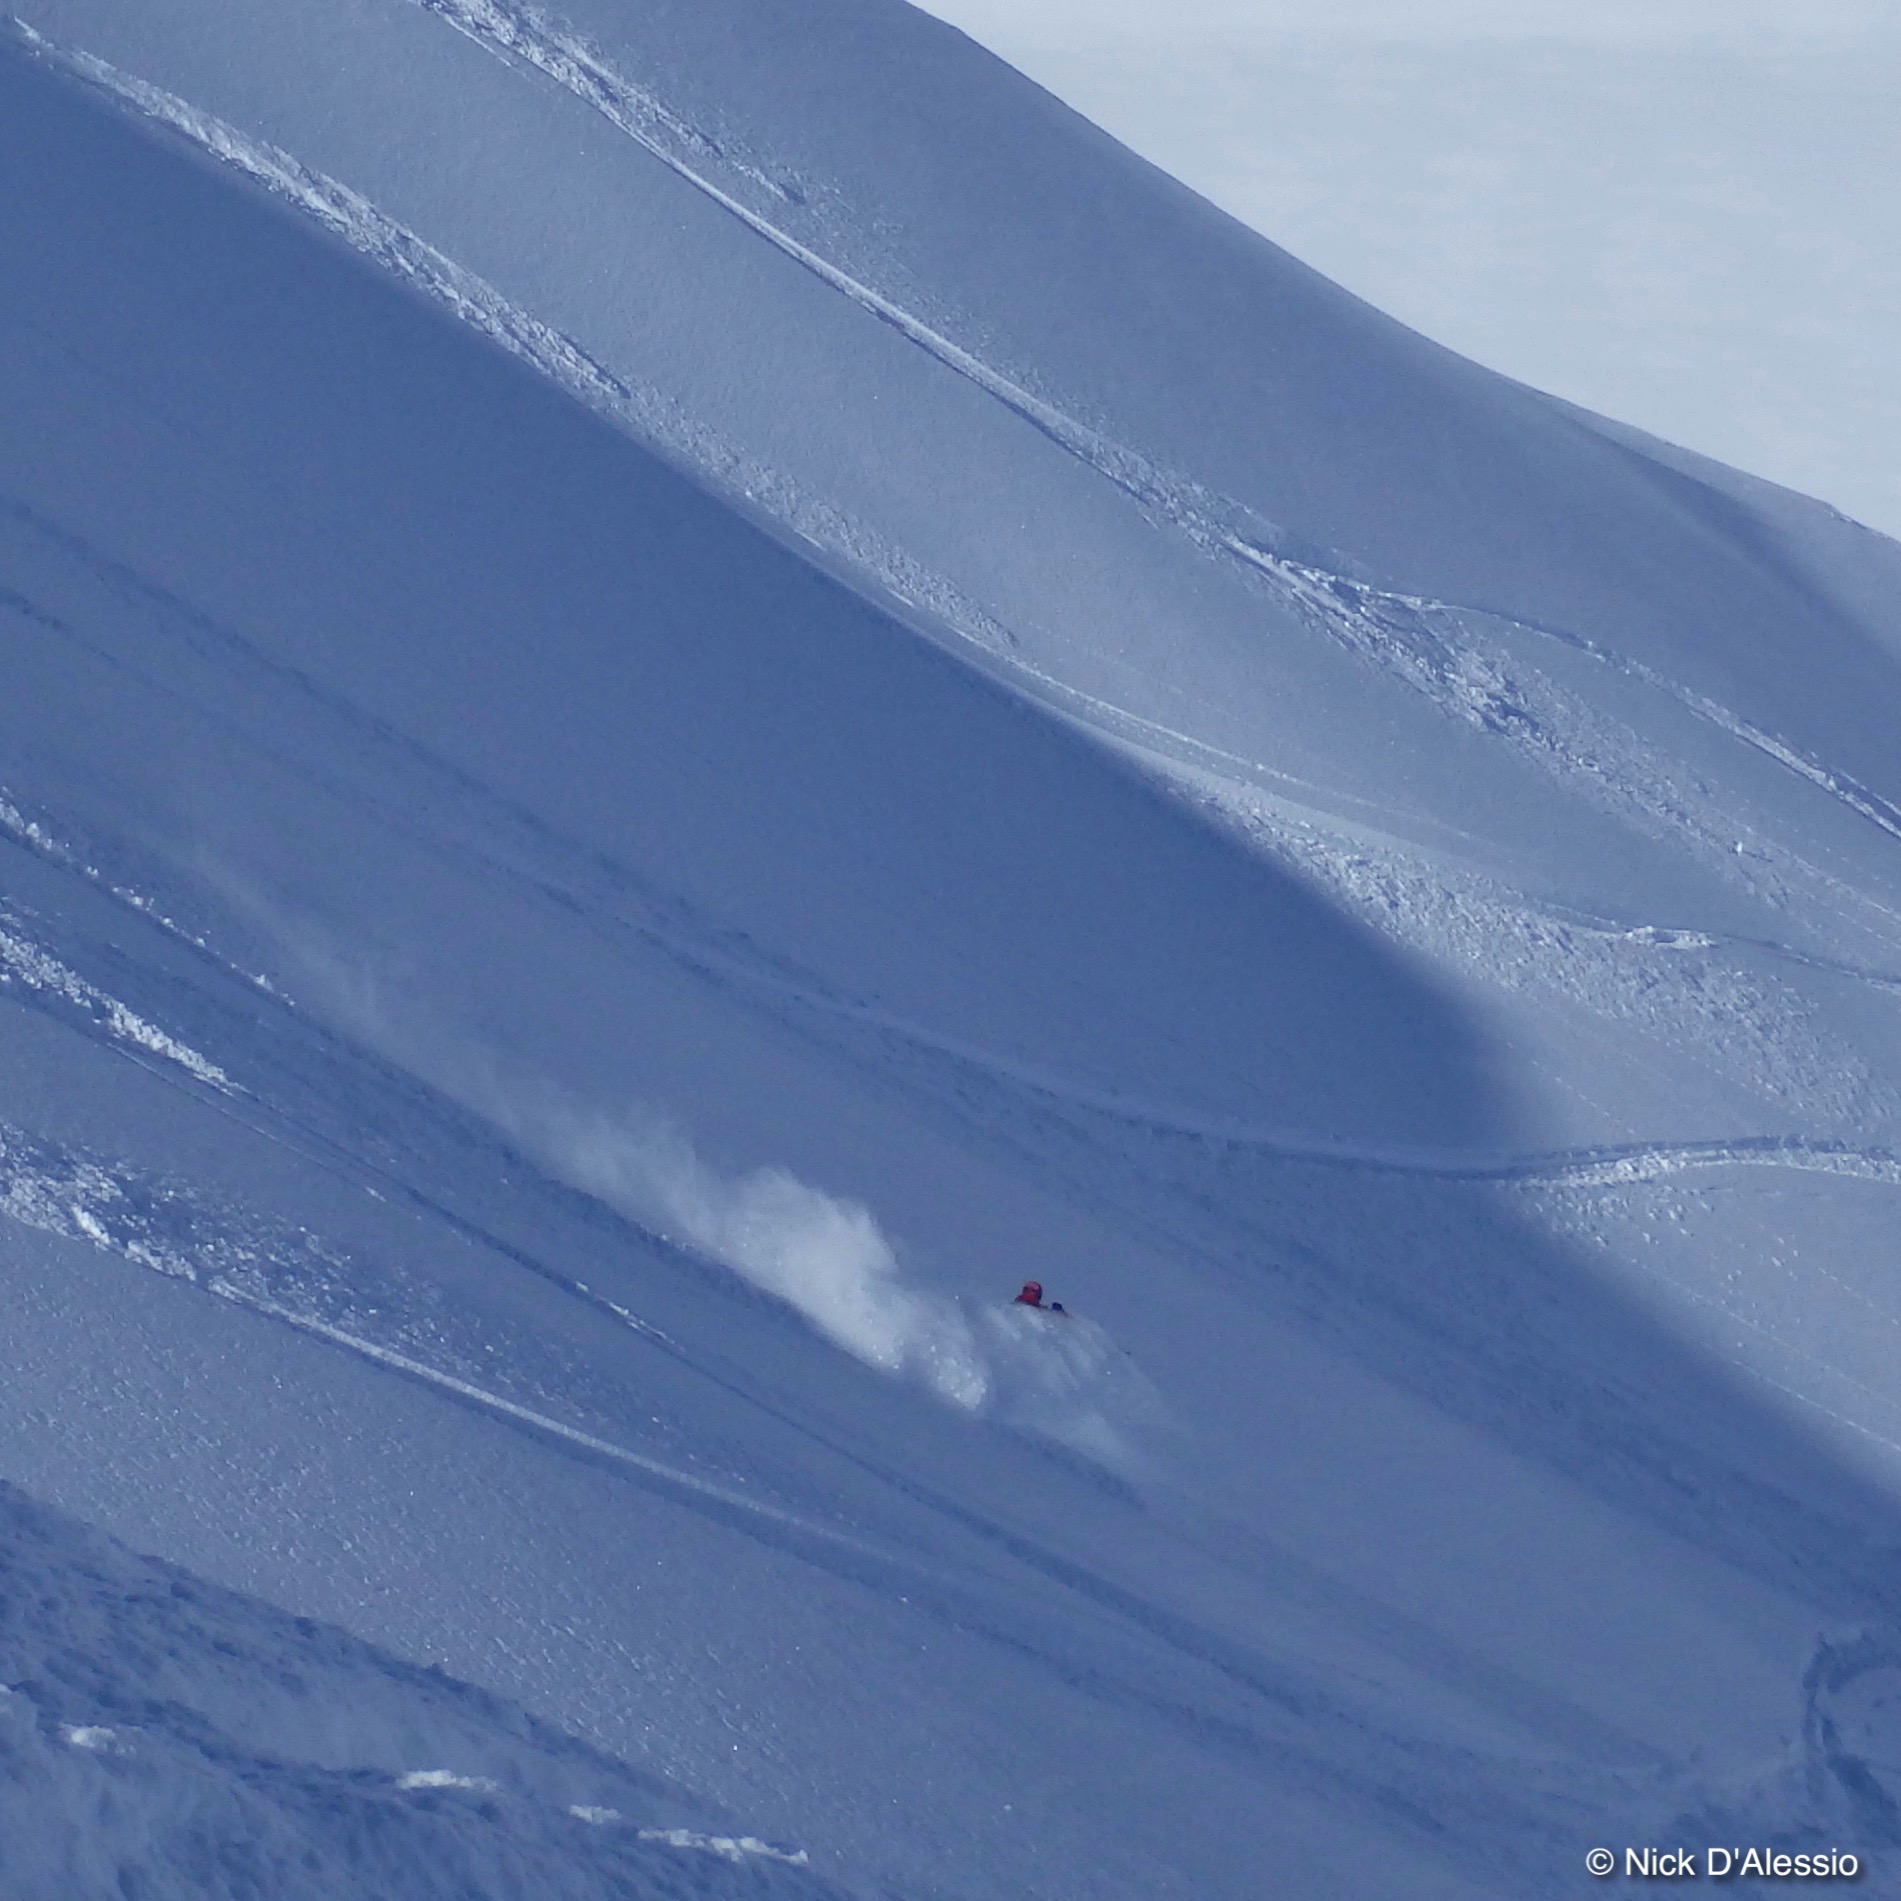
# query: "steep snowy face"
[[842, 261], [686, 687], [1117, 452]]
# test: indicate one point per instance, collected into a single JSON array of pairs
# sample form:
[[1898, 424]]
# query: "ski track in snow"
[[159, 1229], [1288, 1712], [619, 900], [1445, 666], [1334, 1754], [1350, 610], [1376, 619], [1426, 643], [648, 416], [521, 34], [605, 891], [672, 1475], [1597, 1166]]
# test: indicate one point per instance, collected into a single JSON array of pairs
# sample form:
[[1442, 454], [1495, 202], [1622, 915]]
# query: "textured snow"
[[686, 688], [247, 1756]]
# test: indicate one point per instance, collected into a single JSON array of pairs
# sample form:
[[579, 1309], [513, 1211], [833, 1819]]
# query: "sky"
[[1682, 213]]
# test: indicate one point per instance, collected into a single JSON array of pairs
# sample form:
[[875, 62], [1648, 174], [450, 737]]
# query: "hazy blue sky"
[[1686, 213]]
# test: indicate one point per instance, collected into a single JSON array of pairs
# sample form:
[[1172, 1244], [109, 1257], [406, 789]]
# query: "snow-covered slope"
[[683, 688], [169, 1738]]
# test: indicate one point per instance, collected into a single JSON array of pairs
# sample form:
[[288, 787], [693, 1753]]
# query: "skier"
[[1032, 1296]]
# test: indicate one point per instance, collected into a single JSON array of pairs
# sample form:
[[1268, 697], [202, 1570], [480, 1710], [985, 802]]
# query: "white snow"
[[686, 689], [820, 1253], [445, 1779], [733, 1848], [24, 963], [262, 1755]]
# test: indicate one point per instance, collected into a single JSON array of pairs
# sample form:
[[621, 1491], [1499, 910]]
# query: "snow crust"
[[688, 687]]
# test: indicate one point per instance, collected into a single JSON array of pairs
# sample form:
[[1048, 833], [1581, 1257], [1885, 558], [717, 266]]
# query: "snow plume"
[[1058, 1376], [821, 1254], [1065, 1378]]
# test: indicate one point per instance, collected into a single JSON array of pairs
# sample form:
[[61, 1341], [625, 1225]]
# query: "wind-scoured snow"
[[687, 688]]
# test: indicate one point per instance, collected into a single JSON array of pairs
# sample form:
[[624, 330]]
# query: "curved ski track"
[[1354, 613], [519, 33]]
